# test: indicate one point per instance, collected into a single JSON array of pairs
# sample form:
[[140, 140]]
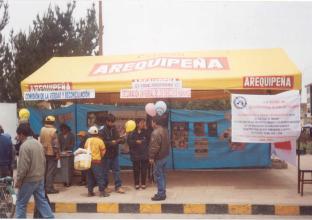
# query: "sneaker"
[[143, 186], [52, 191], [120, 190], [158, 197], [90, 194], [104, 194], [137, 186]]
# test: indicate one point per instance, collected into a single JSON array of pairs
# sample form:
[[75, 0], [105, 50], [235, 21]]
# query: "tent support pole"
[[76, 130], [169, 128]]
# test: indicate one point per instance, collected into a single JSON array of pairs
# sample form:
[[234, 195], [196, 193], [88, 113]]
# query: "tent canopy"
[[206, 73]]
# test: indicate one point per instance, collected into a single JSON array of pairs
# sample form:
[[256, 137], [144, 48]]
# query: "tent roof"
[[252, 69]]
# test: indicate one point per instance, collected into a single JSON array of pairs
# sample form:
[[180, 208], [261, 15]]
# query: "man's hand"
[[139, 142], [113, 141], [151, 161], [123, 135], [18, 184]]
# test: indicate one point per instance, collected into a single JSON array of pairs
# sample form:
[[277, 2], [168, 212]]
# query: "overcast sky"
[[139, 26]]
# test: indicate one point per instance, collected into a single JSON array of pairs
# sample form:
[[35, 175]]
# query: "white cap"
[[93, 130]]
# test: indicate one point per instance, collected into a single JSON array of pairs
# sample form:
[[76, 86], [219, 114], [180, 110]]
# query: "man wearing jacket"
[[30, 174], [5, 154], [49, 141], [158, 155], [110, 160]]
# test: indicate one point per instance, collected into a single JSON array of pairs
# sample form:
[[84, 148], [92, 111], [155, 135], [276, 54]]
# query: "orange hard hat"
[[82, 133]]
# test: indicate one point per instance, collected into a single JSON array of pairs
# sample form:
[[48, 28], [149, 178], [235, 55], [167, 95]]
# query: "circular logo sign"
[[240, 102]]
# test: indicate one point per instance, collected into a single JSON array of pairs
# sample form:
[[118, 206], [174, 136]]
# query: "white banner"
[[155, 93], [57, 95], [156, 83], [265, 118]]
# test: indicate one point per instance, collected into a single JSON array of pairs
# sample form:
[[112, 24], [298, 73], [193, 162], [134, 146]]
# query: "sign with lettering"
[[265, 118], [50, 86], [59, 95], [155, 93], [156, 83], [191, 63], [269, 82]]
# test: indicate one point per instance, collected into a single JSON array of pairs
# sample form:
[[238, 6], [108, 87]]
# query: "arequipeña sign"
[[192, 63], [274, 82]]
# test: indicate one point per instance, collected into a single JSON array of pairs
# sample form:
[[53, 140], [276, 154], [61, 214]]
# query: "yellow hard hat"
[[50, 118], [130, 126], [23, 114]]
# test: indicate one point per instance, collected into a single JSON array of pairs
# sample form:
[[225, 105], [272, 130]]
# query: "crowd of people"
[[39, 158]]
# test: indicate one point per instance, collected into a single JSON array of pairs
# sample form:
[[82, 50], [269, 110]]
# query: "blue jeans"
[[112, 164], [25, 192], [160, 176], [95, 175]]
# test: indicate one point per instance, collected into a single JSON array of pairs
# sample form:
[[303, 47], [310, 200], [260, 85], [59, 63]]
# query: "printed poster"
[[265, 118], [201, 147], [179, 135], [199, 129]]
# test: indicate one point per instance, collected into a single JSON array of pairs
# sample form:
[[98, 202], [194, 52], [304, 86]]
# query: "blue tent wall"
[[220, 155], [37, 116]]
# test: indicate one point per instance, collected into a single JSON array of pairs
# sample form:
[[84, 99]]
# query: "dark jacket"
[[68, 142], [109, 135], [5, 151], [159, 147], [83, 141], [138, 151]]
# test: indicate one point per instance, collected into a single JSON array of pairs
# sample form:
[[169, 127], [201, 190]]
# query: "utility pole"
[[100, 29]]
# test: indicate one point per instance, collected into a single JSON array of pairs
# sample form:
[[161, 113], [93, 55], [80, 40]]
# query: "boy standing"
[[95, 174]]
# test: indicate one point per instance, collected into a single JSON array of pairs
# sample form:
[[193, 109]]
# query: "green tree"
[[56, 33], [5, 54]]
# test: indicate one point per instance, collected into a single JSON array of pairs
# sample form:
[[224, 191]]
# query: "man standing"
[[49, 141], [5, 154], [30, 174], [110, 160], [158, 156]]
